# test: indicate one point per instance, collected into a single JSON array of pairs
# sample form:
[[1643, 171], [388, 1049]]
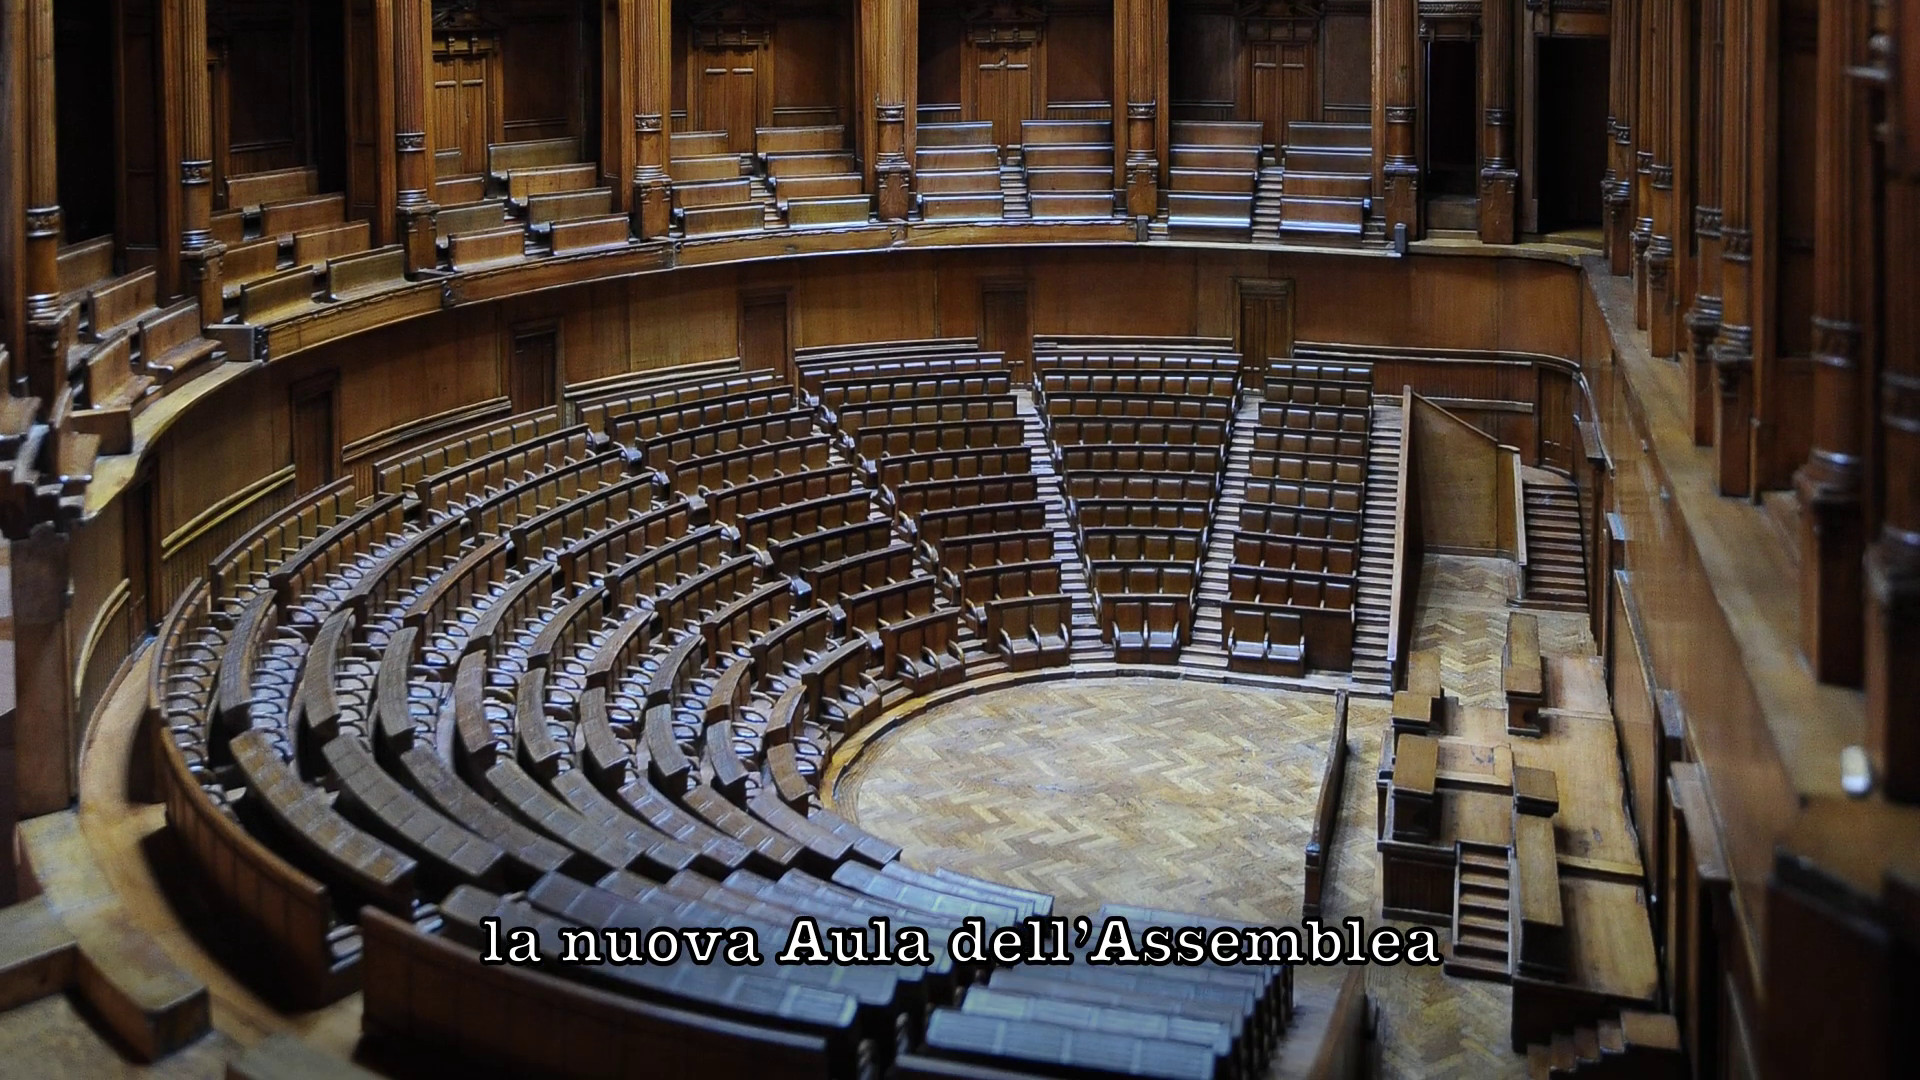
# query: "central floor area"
[[1174, 793]]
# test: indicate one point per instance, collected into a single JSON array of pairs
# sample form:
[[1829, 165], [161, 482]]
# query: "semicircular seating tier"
[[584, 667]]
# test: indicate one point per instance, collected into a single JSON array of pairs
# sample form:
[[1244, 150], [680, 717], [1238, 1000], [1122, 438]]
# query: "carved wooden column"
[[1498, 177], [1703, 318], [1660, 199], [1395, 27], [47, 325], [890, 45], [649, 46], [1140, 67], [1893, 563], [1832, 533], [412, 40], [1732, 351], [200, 254], [1616, 185]]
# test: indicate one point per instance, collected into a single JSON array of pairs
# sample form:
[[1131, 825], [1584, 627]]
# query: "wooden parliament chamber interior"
[[656, 463]]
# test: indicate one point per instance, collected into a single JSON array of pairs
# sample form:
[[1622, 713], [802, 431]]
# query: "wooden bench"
[[1030, 632], [525, 183], [936, 526], [283, 296], [284, 219], [492, 247], [1151, 545], [590, 234], [1074, 430], [466, 480], [504, 158], [732, 190], [918, 498], [720, 220], [853, 417], [251, 190], [1142, 405], [170, 344], [784, 458], [313, 247], [1132, 514], [447, 854], [116, 393], [727, 435], [980, 585], [703, 167], [1146, 627], [1153, 458], [954, 464], [562, 206], [798, 139], [1128, 576], [859, 572], [449, 221], [883, 605], [644, 425], [838, 393], [923, 652], [961, 553], [825, 211], [1266, 639], [888, 440], [1295, 553], [1269, 464], [826, 545], [730, 505], [1305, 495], [551, 531], [1539, 920]]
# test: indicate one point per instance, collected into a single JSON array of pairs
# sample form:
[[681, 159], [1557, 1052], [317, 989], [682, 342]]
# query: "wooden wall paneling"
[[437, 364], [1079, 54], [813, 64], [1661, 300], [1553, 420], [261, 53], [467, 90], [44, 744], [544, 70], [1781, 436], [1346, 63], [1458, 474], [1829, 485], [1202, 47], [1617, 221], [369, 118], [941, 49], [699, 320], [136, 127], [84, 100]]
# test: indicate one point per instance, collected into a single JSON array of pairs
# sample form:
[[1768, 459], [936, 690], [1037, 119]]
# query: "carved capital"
[[1900, 401], [1400, 114], [1142, 110], [410, 142], [648, 124], [1499, 117], [1836, 342], [196, 172], [1736, 244], [890, 112], [43, 221], [1732, 356], [1706, 221], [1661, 176]]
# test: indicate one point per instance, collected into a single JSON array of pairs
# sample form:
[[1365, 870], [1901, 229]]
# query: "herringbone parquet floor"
[[1197, 797]]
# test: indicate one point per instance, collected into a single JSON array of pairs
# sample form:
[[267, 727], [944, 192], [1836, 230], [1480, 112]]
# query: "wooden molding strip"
[[222, 510]]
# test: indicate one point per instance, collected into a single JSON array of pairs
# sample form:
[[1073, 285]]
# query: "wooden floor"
[[1177, 794], [1196, 797]]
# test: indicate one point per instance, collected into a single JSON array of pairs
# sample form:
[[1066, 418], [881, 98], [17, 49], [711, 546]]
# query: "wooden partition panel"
[[1459, 472]]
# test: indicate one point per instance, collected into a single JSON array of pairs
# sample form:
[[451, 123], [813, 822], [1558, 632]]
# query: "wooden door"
[[1002, 89], [763, 334], [726, 93], [1004, 327], [1553, 415], [316, 435], [463, 103], [1280, 84], [1265, 328], [533, 369]]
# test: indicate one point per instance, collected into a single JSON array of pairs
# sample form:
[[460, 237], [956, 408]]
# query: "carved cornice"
[[731, 22], [1002, 23], [461, 17]]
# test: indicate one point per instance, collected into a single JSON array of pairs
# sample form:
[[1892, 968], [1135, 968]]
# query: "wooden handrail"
[[1400, 606], [1326, 813]]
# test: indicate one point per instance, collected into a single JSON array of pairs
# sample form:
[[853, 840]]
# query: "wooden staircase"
[[1266, 202], [1373, 592], [1556, 572], [1209, 647], [1015, 205], [1087, 646], [1635, 1045], [1481, 920]]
